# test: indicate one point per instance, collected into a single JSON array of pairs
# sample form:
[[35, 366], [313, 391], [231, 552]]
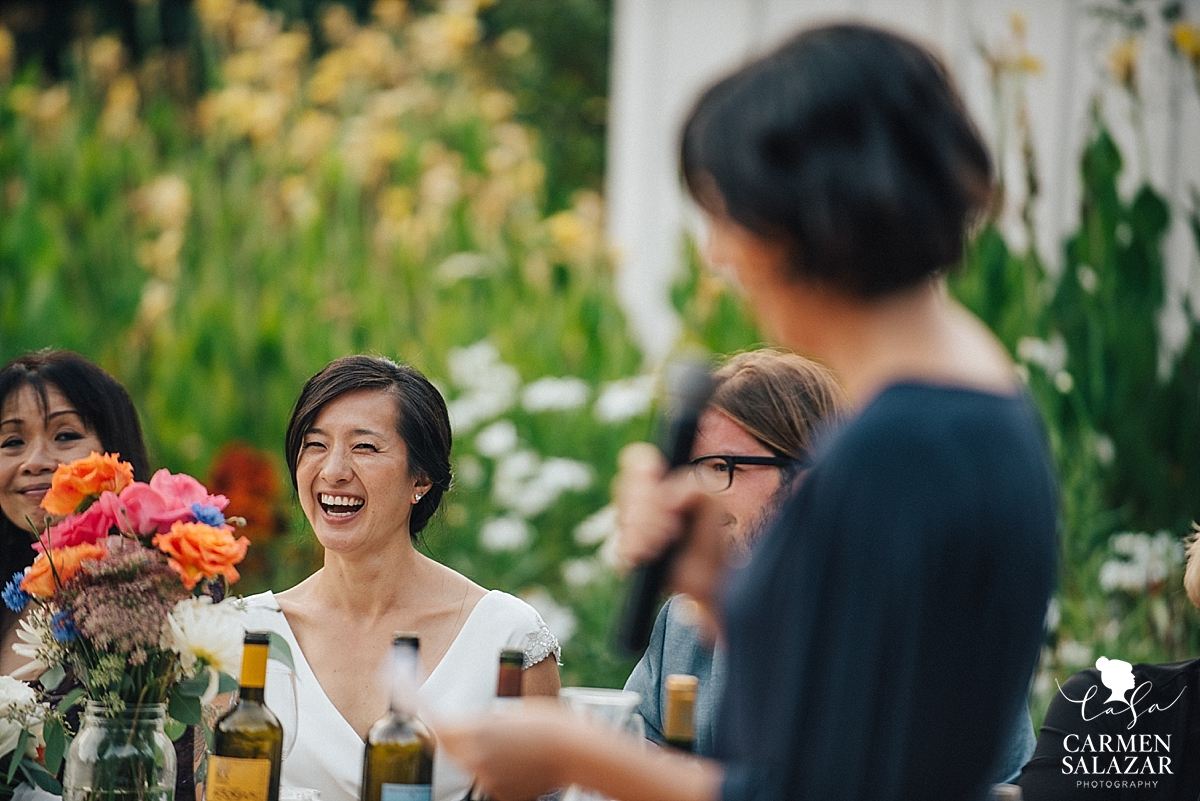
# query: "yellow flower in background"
[[441, 184], [337, 25], [514, 43], [311, 136], [530, 176], [157, 298], [165, 203], [389, 13], [328, 81], [373, 55], [105, 57], [577, 234], [254, 26], [160, 255], [52, 106], [1122, 60], [8, 53], [439, 41], [265, 123], [119, 119], [387, 145], [215, 15], [245, 67], [287, 52], [395, 203], [497, 106], [1184, 35], [298, 200]]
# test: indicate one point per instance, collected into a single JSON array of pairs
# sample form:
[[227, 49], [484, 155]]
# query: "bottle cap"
[[682, 682], [406, 638], [257, 638], [512, 656]]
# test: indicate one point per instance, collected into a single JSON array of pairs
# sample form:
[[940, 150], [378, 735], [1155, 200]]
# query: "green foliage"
[[378, 198]]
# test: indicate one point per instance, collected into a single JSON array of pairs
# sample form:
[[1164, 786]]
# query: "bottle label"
[[235, 779], [406, 792]]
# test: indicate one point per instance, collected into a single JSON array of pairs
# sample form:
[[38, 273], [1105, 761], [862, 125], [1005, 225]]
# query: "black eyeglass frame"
[[731, 463]]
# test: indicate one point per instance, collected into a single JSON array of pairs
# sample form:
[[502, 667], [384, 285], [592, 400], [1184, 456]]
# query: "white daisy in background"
[[490, 386], [554, 394], [202, 632], [1147, 561], [496, 439], [581, 572], [625, 399], [528, 485], [1050, 355], [597, 527], [469, 472], [505, 534]]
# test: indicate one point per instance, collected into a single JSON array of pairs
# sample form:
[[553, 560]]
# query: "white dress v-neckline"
[[327, 755], [302, 664]]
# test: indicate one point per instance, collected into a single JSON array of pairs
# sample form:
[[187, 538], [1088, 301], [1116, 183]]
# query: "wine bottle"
[[247, 740], [508, 685], [508, 681], [679, 721], [398, 762]]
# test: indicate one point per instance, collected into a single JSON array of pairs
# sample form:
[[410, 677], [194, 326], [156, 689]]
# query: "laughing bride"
[[368, 449]]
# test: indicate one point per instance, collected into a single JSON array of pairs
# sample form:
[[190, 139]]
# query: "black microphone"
[[689, 388]]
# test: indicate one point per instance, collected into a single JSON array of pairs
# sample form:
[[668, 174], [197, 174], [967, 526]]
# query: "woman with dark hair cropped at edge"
[[55, 407], [368, 448], [882, 636]]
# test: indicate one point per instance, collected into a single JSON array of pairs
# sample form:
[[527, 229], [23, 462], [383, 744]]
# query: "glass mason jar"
[[125, 756]]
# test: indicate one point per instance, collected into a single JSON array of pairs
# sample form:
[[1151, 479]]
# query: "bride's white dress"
[[328, 753]]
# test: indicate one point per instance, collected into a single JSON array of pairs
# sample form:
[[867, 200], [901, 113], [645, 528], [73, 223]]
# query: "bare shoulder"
[[453, 583], [299, 602]]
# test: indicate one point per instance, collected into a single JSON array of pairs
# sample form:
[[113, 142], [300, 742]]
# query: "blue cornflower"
[[63, 627], [208, 515], [14, 597]]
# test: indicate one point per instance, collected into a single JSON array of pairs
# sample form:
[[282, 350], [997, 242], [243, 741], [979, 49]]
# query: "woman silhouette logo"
[[1116, 675]]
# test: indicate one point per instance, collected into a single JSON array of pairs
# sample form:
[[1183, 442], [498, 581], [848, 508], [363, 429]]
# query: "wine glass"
[[281, 699], [611, 708]]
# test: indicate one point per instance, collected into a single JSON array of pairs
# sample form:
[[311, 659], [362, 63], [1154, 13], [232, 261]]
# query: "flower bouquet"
[[21, 743], [127, 594]]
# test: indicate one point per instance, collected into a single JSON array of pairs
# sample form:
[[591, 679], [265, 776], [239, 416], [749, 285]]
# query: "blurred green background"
[[213, 199]]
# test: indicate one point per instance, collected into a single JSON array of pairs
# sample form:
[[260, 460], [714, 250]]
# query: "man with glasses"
[[750, 448]]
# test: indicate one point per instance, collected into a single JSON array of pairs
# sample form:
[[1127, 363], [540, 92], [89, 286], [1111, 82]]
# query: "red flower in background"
[[248, 478]]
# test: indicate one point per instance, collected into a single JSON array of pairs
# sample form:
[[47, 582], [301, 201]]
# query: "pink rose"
[[168, 498], [88, 527]]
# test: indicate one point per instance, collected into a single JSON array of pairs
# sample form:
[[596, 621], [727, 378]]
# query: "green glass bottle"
[[248, 739], [398, 761]]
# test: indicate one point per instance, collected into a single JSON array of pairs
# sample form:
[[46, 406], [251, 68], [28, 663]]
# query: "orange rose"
[[88, 477], [39, 578], [196, 551]]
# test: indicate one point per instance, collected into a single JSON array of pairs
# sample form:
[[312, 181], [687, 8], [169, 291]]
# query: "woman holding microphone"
[[882, 635]]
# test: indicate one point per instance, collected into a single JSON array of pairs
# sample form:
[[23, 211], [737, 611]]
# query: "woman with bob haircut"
[[368, 449], [882, 636], [55, 407]]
